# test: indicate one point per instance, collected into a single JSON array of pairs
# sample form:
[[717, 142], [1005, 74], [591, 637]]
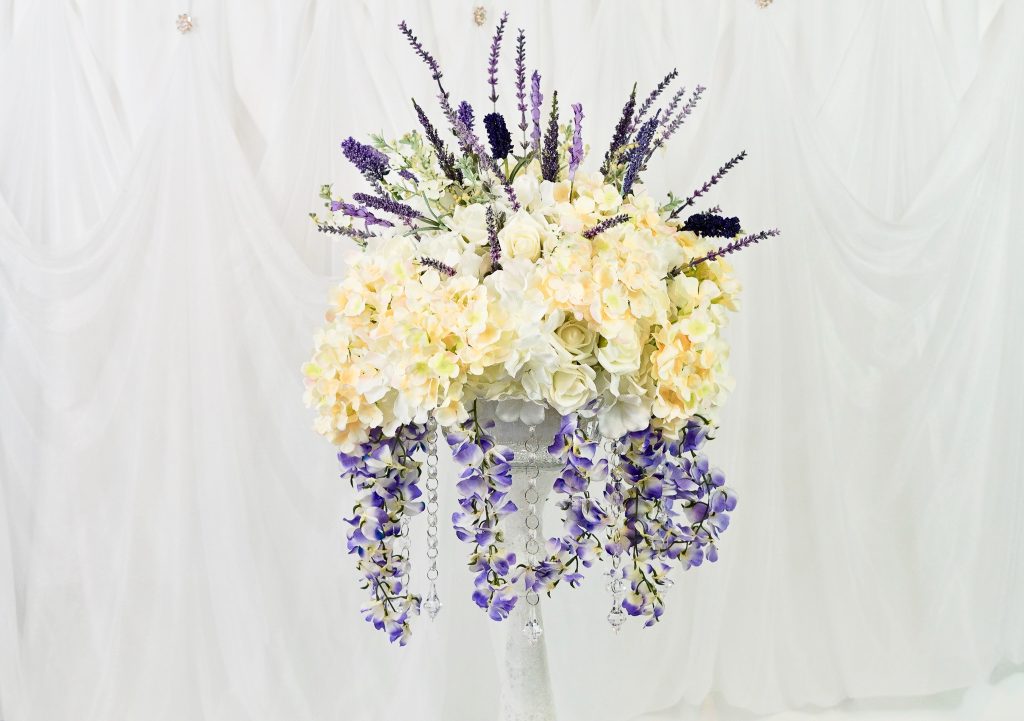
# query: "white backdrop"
[[170, 543]]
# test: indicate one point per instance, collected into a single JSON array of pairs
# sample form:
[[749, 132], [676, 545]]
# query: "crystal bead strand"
[[532, 629], [616, 583], [432, 604]]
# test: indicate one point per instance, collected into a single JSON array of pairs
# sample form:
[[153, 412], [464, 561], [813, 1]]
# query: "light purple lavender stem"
[[576, 151], [536, 99], [604, 225]]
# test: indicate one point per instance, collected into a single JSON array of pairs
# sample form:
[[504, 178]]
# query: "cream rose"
[[521, 237], [620, 354], [577, 338], [570, 388]]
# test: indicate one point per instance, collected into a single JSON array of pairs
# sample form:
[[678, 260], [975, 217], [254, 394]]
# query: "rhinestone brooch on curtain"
[[479, 14], [184, 23], [763, 3]]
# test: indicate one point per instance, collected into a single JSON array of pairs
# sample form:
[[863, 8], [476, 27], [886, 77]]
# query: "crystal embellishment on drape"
[[763, 3], [479, 15], [184, 23]]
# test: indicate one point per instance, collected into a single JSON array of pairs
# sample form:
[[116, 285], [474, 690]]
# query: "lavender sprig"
[[445, 159], [549, 157], [649, 102], [465, 113], [370, 162], [492, 240], [576, 151], [707, 186], [621, 132], [492, 65], [357, 211], [604, 225], [735, 245], [360, 236], [672, 125], [638, 154], [442, 268], [536, 99], [388, 205], [417, 46], [521, 83], [712, 225]]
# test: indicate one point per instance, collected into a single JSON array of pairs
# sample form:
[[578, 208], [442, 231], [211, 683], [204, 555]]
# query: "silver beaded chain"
[[432, 604], [616, 584], [532, 629]]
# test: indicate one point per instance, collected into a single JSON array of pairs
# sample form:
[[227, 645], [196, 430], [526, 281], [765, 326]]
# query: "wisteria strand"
[[701, 191], [621, 133], [576, 150], [735, 246], [494, 246], [638, 154], [492, 60], [440, 267], [445, 160], [549, 156], [483, 491], [385, 473], [591, 233], [645, 108], [536, 100], [388, 205], [521, 84]]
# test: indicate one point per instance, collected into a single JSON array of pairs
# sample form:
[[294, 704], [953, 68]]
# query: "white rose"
[[521, 237], [570, 388], [620, 354], [577, 338], [527, 189], [470, 221]]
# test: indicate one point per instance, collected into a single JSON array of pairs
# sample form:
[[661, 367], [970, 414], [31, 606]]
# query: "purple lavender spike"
[[536, 99], [649, 102], [444, 158], [621, 131], [387, 205], [521, 83], [465, 114], [492, 64], [735, 246], [638, 154], [707, 186], [360, 236], [549, 156], [492, 240], [418, 47], [370, 162], [442, 268], [356, 211], [604, 225], [576, 151], [498, 136]]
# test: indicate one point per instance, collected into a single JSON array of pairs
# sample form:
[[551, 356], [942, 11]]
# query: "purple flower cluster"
[[673, 508], [388, 205], [576, 150], [712, 225], [536, 100], [385, 472], [498, 136], [357, 211], [445, 159], [701, 191], [483, 489], [549, 156], [465, 113], [638, 155]]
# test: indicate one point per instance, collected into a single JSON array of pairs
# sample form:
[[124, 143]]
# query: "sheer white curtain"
[[170, 535]]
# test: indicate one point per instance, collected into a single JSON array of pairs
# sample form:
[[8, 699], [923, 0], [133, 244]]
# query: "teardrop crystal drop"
[[616, 617], [532, 630], [432, 604]]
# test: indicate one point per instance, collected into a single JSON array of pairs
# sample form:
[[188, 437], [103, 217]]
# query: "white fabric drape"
[[170, 542]]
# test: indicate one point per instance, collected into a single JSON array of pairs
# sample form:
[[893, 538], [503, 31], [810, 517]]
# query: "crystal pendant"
[[616, 617], [432, 605], [617, 585], [532, 630]]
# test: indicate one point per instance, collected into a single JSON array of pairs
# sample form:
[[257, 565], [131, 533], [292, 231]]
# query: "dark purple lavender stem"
[[621, 132], [521, 83], [734, 246], [388, 206], [437, 265], [444, 158], [360, 236], [707, 186], [638, 154], [604, 225], [492, 65], [549, 157]]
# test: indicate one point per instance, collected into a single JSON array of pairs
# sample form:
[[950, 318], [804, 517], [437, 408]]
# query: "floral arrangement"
[[504, 269]]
